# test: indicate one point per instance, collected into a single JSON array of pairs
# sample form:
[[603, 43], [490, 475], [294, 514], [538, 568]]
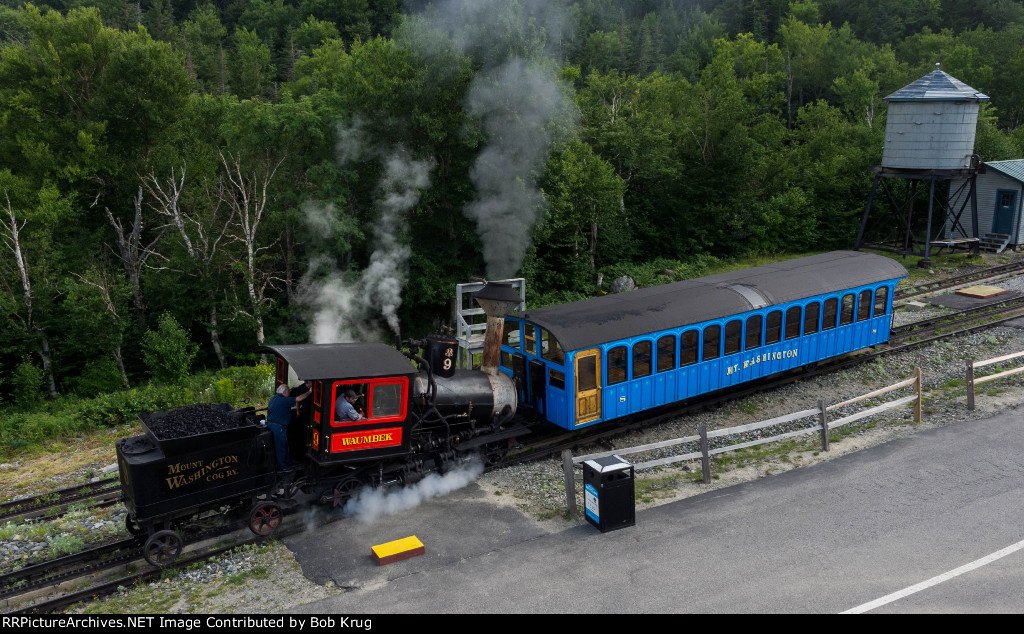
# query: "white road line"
[[934, 581]]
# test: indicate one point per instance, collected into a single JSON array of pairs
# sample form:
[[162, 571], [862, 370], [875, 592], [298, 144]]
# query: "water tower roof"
[[937, 86]]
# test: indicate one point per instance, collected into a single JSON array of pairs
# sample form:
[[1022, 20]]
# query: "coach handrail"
[[570, 462], [973, 365]]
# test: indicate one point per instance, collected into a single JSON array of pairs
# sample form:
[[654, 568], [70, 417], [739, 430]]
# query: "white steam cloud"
[[346, 310], [518, 99], [371, 504]]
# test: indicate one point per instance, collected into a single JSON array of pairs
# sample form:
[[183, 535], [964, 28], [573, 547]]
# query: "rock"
[[622, 284]]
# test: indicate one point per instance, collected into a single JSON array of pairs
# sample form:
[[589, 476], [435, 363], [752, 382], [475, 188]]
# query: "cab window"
[[864, 305], [773, 328], [510, 334], [733, 334], [688, 347], [828, 318], [753, 333], [881, 301], [550, 349], [811, 318], [793, 323]]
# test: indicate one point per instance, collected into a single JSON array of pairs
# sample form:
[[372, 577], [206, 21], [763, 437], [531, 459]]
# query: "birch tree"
[[244, 191]]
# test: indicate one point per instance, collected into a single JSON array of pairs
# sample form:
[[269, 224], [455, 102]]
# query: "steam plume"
[[371, 504]]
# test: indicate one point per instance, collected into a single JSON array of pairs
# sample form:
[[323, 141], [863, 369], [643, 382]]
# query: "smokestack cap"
[[497, 299]]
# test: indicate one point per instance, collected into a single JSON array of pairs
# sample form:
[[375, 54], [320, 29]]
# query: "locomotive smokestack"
[[498, 299]]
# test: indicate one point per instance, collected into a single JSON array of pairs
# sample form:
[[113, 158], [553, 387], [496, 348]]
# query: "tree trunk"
[[215, 334]]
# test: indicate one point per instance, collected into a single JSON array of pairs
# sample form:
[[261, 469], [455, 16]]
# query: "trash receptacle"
[[608, 493]]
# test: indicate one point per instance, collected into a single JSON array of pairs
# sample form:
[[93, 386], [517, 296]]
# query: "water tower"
[[929, 139]]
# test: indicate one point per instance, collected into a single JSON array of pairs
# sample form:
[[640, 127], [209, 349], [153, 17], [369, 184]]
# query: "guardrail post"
[[570, 481], [823, 419], [919, 391], [705, 460], [970, 384]]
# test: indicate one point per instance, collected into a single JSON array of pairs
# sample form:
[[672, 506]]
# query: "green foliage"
[[99, 376], [167, 351], [28, 382]]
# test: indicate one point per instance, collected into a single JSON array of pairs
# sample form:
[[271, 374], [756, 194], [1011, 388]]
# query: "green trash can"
[[608, 493]]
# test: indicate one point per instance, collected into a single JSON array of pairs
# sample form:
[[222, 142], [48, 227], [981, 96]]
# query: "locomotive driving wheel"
[[265, 518], [345, 489], [162, 548]]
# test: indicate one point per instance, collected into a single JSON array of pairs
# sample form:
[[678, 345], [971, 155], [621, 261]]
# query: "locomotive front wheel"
[[265, 519], [162, 548], [495, 452], [132, 527]]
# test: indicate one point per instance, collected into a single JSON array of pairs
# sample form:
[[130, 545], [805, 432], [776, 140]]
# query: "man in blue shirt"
[[279, 415], [344, 407]]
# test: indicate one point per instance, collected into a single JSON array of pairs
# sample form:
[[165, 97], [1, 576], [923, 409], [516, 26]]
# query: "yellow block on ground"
[[398, 550], [981, 291]]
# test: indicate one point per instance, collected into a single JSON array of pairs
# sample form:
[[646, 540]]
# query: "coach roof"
[[600, 320], [342, 360]]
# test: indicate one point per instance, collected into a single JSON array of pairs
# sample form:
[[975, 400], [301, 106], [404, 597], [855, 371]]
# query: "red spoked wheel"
[[344, 490], [162, 548], [265, 518]]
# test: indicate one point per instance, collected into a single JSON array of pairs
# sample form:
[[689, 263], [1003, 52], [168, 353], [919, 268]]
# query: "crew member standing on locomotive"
[[279, 415], [344, 407]]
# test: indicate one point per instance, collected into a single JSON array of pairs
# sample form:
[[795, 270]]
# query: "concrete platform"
[[960, 302]]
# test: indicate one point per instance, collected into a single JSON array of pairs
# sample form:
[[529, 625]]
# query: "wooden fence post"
[[919, 390], [705, 461], [970, 384], [823, 419], [570, 481]]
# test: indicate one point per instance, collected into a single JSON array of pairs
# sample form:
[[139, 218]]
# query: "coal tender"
[[193, 460]]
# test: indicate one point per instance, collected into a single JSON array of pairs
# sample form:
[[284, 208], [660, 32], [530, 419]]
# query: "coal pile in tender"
[[193, 420]]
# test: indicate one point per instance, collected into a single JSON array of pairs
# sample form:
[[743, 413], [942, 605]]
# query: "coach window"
[[688, 347], [550, 348], [556, 379], [530, 336], [712, 343], [828, 319], [793, 323], [642, 359], [666, 353], [510, 334], [864, 305], [617, 362], [733, 336], [811, 318], [881, 301], [846, 312], [773, 328], [753, 333]]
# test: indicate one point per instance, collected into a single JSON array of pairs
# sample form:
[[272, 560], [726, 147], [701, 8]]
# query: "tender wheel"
[[265, 519], [345, 489], [132, 527], [495, 452], [162, 548]]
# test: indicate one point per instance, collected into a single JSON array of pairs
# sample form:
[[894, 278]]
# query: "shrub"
[[167, 351]]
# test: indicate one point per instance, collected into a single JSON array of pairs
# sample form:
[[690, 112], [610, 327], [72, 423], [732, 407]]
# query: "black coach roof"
[[596, 321], [342, 360]]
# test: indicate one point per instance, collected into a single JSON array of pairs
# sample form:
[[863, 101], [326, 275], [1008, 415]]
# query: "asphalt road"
[[827, 538]]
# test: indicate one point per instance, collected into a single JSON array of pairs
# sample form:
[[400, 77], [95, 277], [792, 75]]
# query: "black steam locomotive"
[[215, 459]]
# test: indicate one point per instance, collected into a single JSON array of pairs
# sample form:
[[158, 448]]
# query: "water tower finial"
[[937, 65]]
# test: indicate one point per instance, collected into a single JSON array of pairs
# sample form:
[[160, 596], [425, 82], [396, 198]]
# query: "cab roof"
[[313, 361]]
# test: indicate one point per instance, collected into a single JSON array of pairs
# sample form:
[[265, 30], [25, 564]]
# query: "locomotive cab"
[[380, 375]]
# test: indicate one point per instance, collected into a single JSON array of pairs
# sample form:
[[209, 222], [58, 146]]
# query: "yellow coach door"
[[588, 386]]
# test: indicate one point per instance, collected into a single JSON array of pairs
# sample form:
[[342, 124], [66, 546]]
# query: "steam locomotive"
[[571, 366]]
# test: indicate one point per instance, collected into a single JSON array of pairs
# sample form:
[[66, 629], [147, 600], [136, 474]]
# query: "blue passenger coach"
[[586, 362]]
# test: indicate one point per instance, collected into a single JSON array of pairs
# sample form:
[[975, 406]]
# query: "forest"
[[183, 181]]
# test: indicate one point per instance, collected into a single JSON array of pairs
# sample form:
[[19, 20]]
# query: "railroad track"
[[49, 575], [985, 275], [99, 493]]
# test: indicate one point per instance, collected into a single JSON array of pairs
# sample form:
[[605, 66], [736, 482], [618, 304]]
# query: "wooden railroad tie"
[[397, 550]]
